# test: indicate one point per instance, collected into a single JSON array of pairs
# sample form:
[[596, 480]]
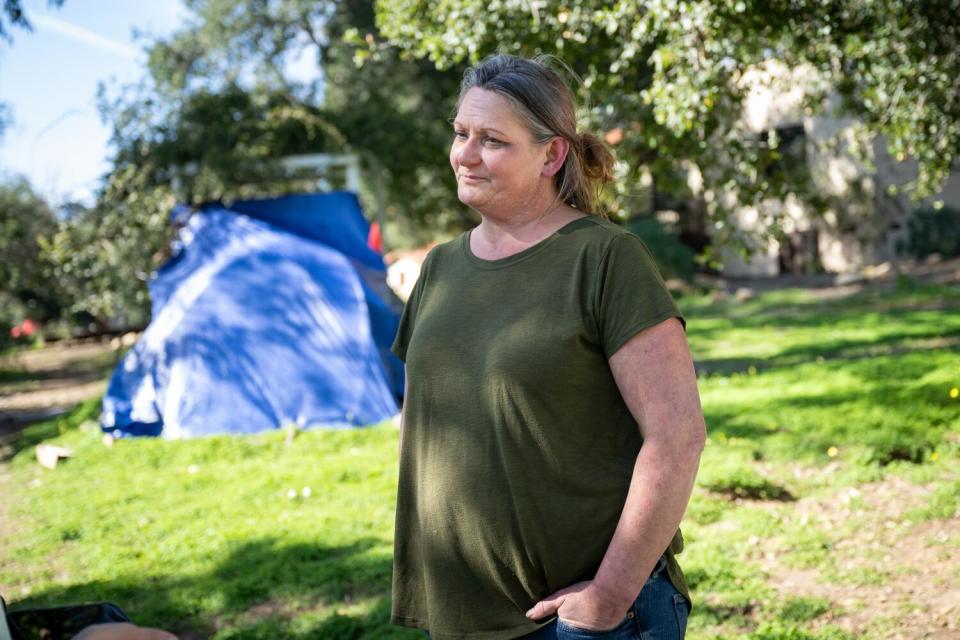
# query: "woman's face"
[[498, 166]]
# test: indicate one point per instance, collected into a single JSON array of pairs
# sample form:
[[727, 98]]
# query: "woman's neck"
[[502, 236]]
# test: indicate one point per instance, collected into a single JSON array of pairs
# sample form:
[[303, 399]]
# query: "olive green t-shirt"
[[517, 447]]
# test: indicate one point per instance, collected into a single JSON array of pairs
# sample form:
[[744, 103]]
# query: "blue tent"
[[271, 312]]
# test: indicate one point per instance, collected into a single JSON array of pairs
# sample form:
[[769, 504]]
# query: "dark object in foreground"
[[54, 623]]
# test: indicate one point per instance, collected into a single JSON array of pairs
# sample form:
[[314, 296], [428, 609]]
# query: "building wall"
[[864, 223]]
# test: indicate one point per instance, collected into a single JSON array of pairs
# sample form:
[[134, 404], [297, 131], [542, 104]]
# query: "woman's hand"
[[584, 605]]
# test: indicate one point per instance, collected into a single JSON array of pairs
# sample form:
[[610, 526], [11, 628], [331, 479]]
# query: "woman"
[[542, 350]]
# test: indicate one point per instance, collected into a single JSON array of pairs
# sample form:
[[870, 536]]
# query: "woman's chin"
[[470, 197]]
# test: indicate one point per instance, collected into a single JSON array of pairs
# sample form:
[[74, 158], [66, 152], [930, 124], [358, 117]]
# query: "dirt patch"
[[887, 577], [37, 384]]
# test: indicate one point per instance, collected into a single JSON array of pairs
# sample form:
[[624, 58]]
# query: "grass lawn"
[[830, 481]]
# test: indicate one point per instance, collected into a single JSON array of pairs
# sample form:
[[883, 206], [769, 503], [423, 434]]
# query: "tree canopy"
[[666, 81], [220, 107], [391, 113], [26, 288], [668, 75]]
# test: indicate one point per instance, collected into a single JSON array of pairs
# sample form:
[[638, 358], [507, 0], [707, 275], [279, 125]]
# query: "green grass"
[[944, 503], [791, 327], [802, 398], [202, 535], [848, 391]]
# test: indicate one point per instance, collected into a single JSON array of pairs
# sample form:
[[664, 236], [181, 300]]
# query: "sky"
[[49, 78]]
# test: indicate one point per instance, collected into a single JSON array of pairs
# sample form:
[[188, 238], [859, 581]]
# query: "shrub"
[[674, 258], [934, 231]]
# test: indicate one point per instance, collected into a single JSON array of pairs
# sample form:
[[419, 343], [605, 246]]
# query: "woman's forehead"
[[484, 109]]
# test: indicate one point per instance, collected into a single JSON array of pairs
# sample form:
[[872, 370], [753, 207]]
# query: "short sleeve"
[[409, 316], [631, 294]]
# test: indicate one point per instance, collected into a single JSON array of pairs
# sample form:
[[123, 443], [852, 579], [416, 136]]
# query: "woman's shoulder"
[[601, 244], [599, 233], [604, 227], [446, 249], [442, 252]]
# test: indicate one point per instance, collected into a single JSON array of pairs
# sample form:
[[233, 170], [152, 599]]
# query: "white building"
[[866, 225]]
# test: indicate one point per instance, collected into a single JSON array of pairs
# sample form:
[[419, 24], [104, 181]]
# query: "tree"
[[102, 256], [667, 77], [24, 216], [26, 288], [13, 13], [390, 112], [216, 113]]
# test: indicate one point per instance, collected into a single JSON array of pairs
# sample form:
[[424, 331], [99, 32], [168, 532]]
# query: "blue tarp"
[[271, 312]]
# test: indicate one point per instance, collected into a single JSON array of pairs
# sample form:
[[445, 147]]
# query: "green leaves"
[[674, 82], [671, 74], [26, 288], [102, 257]]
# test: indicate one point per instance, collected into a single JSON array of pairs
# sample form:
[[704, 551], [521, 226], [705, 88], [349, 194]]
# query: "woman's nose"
[[468, 154]]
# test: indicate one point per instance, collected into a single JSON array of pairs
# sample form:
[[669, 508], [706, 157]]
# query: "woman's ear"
[[557, 150]]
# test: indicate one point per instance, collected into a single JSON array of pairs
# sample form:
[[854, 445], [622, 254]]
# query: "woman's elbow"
[[689, 441], [681, 444]]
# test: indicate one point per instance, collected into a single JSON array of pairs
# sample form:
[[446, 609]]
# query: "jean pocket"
[[620, 632]]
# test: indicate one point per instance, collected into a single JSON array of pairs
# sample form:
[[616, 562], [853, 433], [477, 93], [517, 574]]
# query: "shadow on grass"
[[797, 306], [262, 589], [897, 322], [8, 376], [91, 369], [21, 439], [847, 350], [892, 421]]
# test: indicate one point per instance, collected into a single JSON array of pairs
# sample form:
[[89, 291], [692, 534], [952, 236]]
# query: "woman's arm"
[[654, 372]]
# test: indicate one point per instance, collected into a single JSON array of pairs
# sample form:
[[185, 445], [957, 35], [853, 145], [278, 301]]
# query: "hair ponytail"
[[588, 168]]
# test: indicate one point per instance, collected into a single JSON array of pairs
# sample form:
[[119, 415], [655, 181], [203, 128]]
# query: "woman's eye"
[[493, 142], [461, 135]]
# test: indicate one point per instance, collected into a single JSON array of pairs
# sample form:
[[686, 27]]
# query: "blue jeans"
[[659, 613]]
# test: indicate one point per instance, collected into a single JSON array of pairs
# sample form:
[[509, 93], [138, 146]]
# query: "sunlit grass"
[[195, 534], [265, 537]]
